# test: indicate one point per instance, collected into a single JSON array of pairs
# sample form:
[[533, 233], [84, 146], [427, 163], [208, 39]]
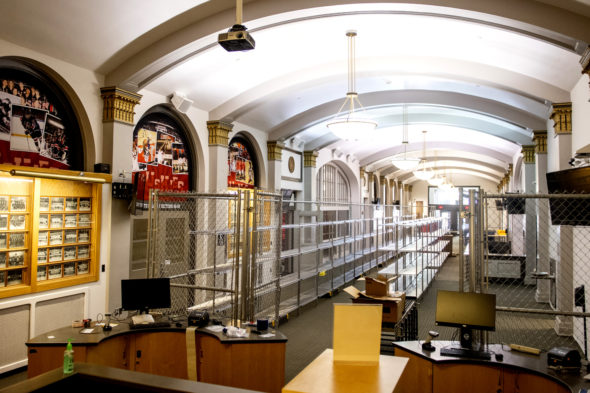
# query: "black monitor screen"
[[466, 309], [145, 293]]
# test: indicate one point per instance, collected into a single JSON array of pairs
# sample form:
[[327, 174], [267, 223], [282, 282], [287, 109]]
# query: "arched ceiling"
[[478, 75]]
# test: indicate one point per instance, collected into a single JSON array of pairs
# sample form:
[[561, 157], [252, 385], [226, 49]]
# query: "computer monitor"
[[145, 294], [466, 310]]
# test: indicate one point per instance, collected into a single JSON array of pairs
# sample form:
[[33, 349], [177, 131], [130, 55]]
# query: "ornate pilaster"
[[219, 132], [362, 173], [410, 187], [562, 117], [528, 154], [406, 188], [118, 104], [540, 139], [275, 150], [309, 158]]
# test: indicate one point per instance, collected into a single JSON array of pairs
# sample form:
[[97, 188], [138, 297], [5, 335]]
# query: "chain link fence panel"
[[536, 249]]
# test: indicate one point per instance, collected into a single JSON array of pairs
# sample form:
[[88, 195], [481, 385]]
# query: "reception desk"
[[517, 372], [255, 362]]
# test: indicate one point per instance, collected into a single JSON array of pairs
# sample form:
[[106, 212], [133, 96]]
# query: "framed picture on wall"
[[71, 204], [42, 255], [57, 204], [55, 271], [3, 222], [55, 238], [55, 255], [44, 204], [70, 220], [3, 203], [17, 222], [85, 204], [18, 204]]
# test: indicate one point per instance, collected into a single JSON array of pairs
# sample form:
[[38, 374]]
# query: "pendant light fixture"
[[402, 162], [347, 124], [424, 173]]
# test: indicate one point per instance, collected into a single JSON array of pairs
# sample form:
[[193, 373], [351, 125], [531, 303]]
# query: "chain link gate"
[[220, 251], [535, 252]]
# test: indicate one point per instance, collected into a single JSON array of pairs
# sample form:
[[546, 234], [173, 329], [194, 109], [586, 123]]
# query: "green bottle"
[[69, 358]]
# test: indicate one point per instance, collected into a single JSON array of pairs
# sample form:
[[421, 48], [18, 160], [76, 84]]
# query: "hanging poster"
[[35, 127], [160, 158], [241, 166]]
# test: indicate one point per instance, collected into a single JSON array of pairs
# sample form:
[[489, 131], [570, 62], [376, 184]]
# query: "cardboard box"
[[393, 305], [378, 286]]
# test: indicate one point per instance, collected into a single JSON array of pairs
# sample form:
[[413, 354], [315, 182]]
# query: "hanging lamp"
[[403, 162], [347, 124], [424, 173]]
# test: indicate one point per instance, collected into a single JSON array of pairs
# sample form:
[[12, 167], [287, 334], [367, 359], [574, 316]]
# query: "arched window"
[[38, 126], [332, 185], [161, 155], [243, 169]]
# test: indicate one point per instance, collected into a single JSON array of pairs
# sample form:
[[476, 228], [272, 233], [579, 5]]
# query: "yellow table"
[[322, 375]]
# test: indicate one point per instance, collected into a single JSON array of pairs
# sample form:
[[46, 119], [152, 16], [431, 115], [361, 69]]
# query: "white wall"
[[420, 188]]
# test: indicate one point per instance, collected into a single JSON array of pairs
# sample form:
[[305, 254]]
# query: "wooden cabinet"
[[461, 377], [417, 376], [426, 375], [522, 382], [256, 366], [160, 353]]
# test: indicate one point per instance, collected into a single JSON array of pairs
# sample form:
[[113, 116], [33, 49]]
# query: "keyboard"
[[151, 325], [465, 353]]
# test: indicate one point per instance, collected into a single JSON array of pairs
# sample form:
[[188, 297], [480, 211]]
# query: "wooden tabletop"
[[325, 376]]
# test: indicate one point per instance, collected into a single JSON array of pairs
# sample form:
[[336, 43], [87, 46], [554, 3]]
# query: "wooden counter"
[[517, 372], [324, 376], [255, 362], [93, 378]]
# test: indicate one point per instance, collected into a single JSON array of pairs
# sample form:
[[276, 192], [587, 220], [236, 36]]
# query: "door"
[[160, 353]]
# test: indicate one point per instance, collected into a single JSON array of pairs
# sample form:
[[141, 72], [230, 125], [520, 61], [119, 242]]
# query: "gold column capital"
[[309, 158], [528, 153], [362, 173], [274, 150], [371, 176], [219, 132], [400, 185], [381, 180], [562, 117], [118, 104], [406, 187], [410, 187], [540, 139], [510, 170]]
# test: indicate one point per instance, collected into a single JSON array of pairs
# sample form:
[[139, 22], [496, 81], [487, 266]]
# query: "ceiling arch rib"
[[452, 145], [450, 171], [385, 168], [542, 21], [323, 112]]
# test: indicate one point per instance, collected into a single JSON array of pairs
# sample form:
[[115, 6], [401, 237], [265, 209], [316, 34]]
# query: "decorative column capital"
[[118, 104], [309, 158], [410, 187], [540, 139], [528, 153], [219, 132], [274, 150], [400, 185], [362, 173], [562, 117], [510, 170], [371, 176], [381, 180], [406, 187]]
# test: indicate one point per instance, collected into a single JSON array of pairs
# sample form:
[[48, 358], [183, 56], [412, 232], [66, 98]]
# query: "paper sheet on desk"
[[215, 328], [267, 335], [87, 331]]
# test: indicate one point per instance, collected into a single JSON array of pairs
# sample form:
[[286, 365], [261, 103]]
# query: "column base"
[[564, 326], [542, 293]]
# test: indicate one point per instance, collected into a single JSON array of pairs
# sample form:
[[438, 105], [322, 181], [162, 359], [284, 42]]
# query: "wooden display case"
[[49, 233]]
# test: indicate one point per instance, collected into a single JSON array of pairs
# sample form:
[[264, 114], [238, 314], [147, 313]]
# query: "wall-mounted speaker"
[[180, 102]]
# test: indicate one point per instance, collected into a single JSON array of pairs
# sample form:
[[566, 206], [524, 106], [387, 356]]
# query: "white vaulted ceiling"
[[478, 79]]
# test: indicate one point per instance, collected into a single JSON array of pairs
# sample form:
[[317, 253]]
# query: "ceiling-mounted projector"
[[237, 38]]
